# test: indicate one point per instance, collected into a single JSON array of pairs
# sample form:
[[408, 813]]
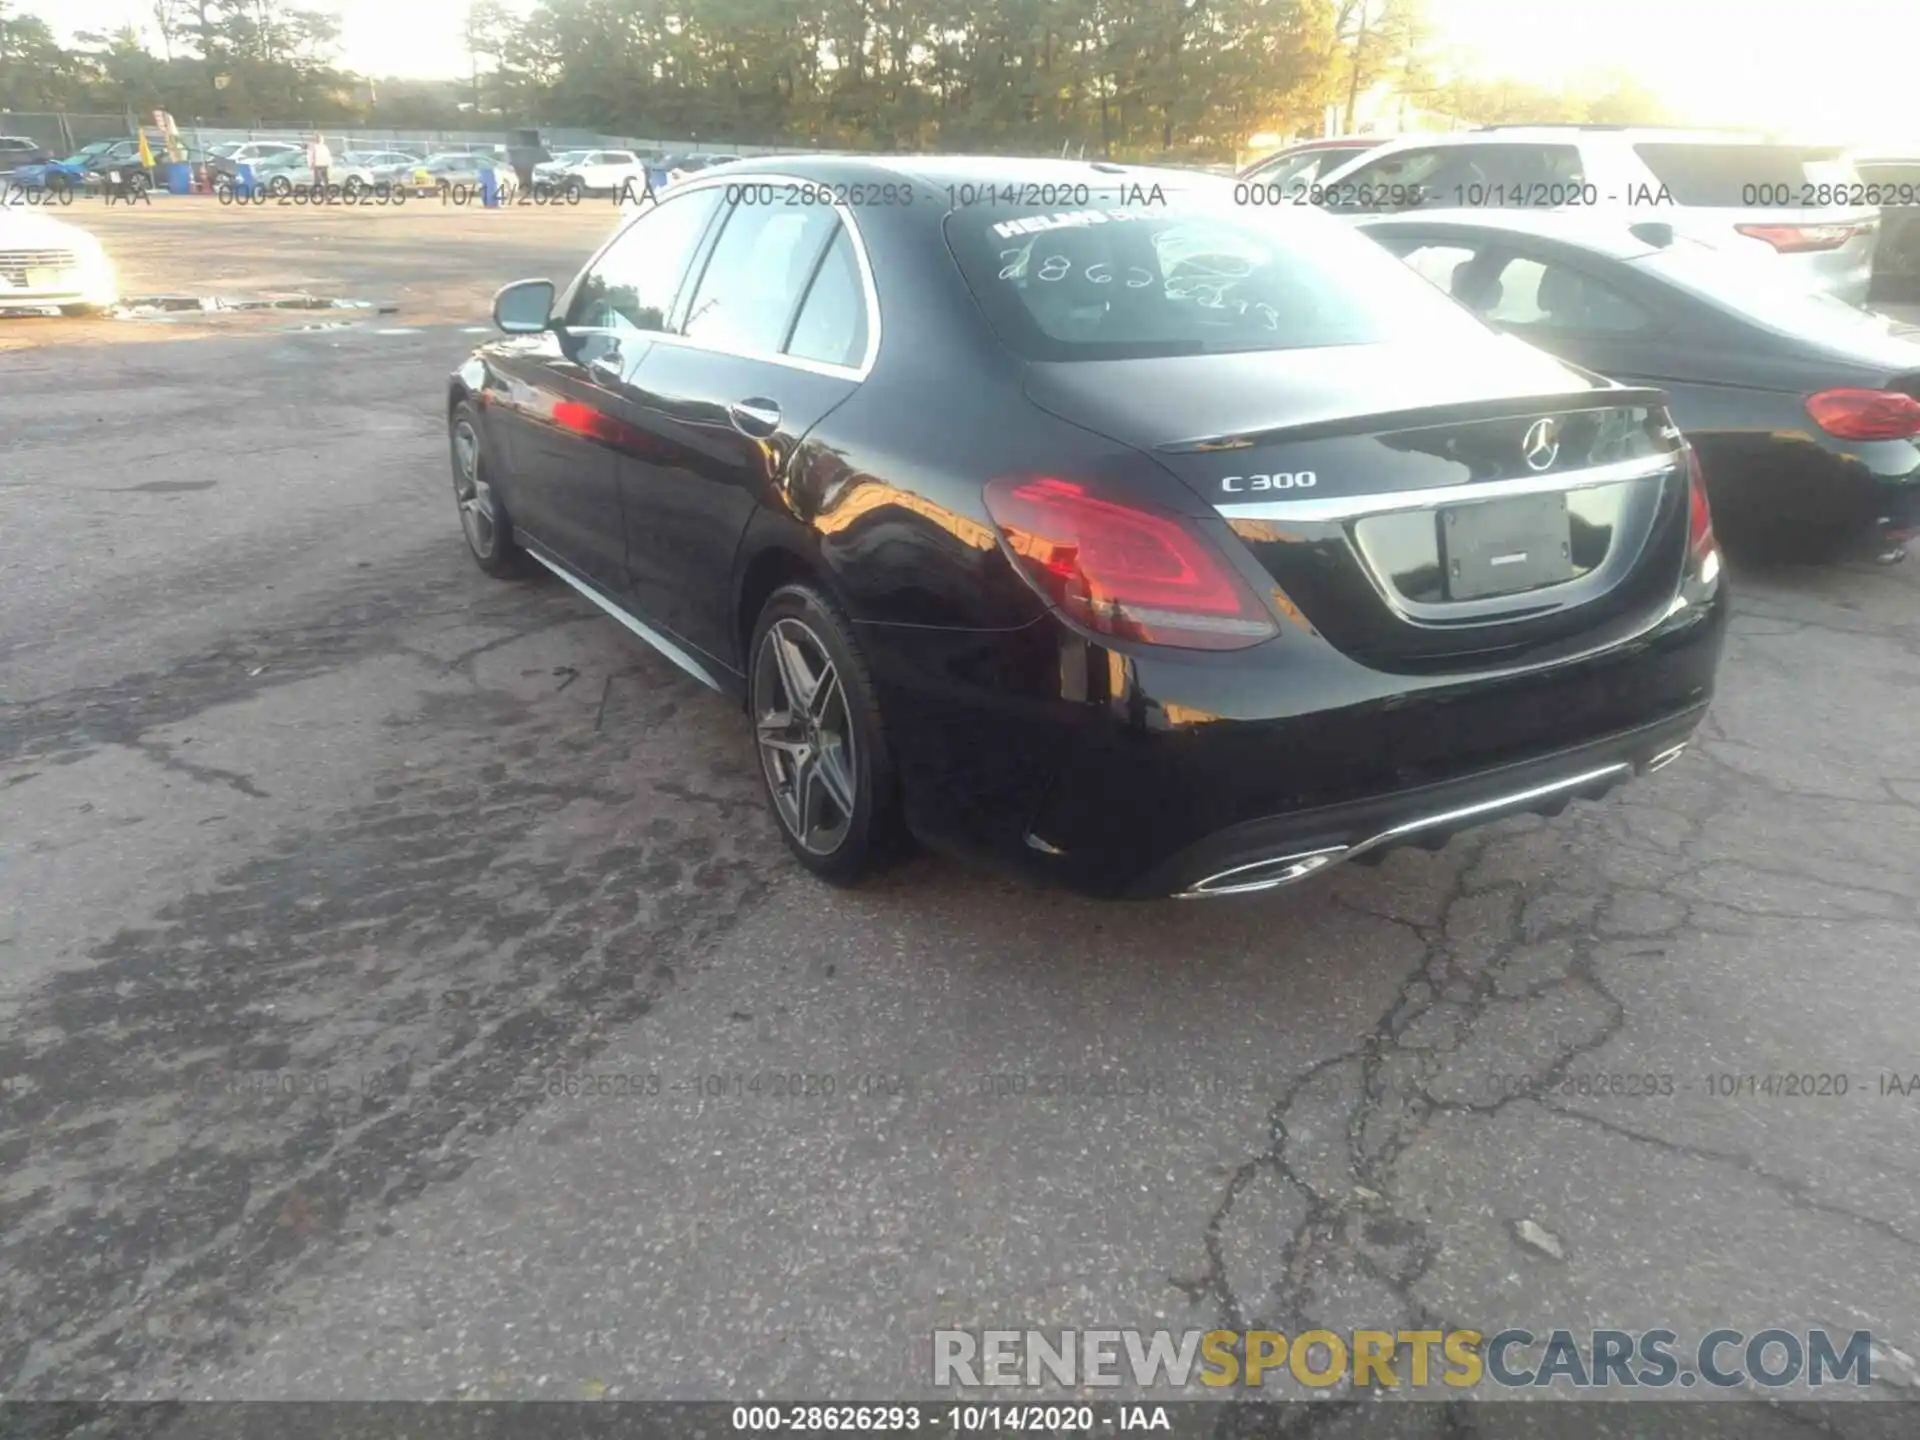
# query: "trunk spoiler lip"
[[1423, 417]]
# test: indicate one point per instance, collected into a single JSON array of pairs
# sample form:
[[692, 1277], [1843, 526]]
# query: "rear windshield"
[[1196, 275], [1730, 174]]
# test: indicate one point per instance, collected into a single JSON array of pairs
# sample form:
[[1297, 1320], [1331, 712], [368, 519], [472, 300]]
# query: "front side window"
[[756, 276], [633, 284]]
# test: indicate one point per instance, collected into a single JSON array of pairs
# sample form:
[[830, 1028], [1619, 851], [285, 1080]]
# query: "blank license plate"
[[1498, 547]]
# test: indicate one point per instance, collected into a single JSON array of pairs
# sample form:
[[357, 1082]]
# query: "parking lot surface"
[[404, 993]]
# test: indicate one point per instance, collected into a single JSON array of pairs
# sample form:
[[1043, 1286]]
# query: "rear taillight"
[[1802, 239], [1124, 569], [1865, 414], [1699, 514]]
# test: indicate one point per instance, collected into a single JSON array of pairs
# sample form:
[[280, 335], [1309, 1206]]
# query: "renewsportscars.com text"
[[1508, 1359]]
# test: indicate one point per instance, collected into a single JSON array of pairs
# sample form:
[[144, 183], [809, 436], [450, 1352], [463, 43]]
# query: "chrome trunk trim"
[[1354, 507]]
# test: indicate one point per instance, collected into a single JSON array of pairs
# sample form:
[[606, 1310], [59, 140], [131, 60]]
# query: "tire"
[[353, 187], [484, 521], [279, 186], [575, 189], [802, 639]]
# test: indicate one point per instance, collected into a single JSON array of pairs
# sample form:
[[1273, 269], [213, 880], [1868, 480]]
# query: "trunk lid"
[[1421, 508]]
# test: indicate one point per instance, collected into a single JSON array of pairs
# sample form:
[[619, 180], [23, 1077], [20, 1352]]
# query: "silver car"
[[1787, 203]]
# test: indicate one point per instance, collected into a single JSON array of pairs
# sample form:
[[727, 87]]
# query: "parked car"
[[53, 175], [1298, 166], [675, 168], [19, 150], [376, 160], [46, 262], [456, 167], [1893, 177], [554, 170], [121, 159], [286, 174], [225, 160], [1231, 551], [1726, 188], [605, 172], [1805, 411]]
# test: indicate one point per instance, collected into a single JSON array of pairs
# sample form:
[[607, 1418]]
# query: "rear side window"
[[1730, 175], [1195, 276], [832, 324], [758, 272]]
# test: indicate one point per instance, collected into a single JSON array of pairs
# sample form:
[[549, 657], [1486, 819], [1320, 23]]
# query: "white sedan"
[[290, 173], [46, 262]]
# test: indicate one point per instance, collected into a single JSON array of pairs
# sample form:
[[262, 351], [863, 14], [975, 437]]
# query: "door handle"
[[758, 417]]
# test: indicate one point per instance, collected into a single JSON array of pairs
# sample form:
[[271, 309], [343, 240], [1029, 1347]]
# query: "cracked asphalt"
[[404, 994]]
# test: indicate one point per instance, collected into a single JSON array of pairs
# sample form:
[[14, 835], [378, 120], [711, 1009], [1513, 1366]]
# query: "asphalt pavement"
[[404, 993]]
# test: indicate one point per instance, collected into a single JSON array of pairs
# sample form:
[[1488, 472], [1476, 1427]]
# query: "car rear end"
[[1801, 205], [1382, 575]]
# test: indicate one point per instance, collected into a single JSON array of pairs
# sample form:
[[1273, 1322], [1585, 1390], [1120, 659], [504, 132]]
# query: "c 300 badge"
[[1284, 480]]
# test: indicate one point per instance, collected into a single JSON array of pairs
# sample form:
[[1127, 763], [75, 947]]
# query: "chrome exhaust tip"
[[1664, 758], [1268, 874]]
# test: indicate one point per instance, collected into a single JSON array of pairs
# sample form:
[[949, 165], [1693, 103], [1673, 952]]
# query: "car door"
[[558, 410], [775, 333]]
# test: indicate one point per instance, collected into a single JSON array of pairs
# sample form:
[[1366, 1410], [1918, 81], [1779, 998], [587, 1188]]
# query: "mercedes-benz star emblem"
[[1542, 445]]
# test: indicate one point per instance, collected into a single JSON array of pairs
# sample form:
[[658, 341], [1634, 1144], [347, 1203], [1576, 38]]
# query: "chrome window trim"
[[868, 286], [1355, 507]]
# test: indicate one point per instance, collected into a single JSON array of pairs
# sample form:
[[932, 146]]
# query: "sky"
[[1841, 69]]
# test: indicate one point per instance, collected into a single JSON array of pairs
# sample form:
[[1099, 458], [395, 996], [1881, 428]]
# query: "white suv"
[[614, 171], [1726, 189]]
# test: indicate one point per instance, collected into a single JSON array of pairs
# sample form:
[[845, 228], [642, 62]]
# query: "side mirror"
[[523, 307]]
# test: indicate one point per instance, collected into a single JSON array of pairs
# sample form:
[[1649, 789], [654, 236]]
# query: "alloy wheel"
[[805, 736], [477, 514]]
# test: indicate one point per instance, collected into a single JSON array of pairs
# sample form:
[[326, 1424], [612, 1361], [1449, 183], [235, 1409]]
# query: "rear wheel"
[[823, 748], [483, 518], [279, 186], [354, 187]]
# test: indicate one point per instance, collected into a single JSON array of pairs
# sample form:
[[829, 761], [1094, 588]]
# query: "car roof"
[[1568, 134], [1603, 231], [982, 170]]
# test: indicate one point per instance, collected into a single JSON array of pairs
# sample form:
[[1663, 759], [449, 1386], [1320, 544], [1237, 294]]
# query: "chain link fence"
[[64, 132]]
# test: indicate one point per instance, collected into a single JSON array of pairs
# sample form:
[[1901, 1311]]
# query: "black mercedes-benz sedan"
[[1067, 516], [1805, 411]]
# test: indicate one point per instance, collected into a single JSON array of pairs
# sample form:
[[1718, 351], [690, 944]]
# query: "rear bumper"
[[1142, 774], [1282, 850]]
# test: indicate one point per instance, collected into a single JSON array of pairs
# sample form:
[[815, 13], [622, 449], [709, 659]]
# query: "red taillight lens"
[[1125, 570], [1802, 239], [1866, 414], [1699, 513]]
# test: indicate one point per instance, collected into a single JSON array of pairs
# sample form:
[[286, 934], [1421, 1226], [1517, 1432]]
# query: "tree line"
[[1134, 79]]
